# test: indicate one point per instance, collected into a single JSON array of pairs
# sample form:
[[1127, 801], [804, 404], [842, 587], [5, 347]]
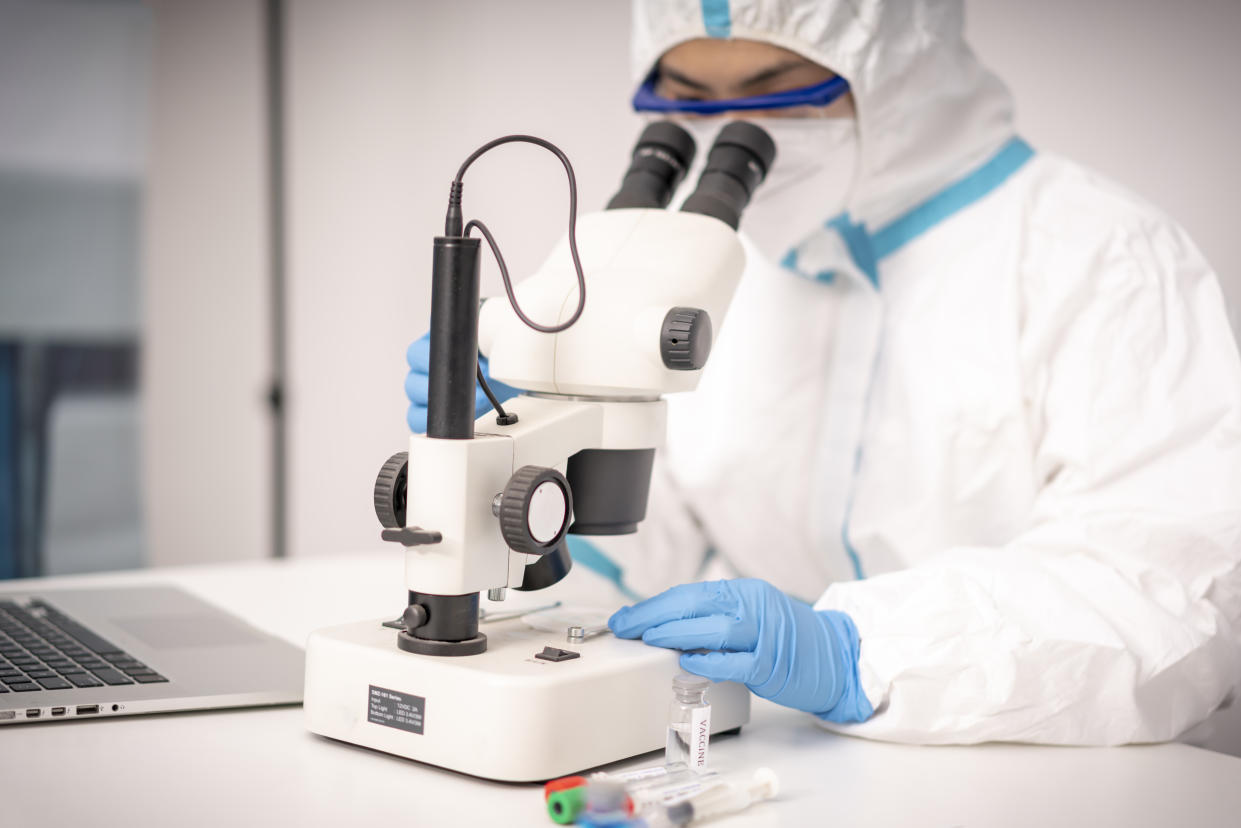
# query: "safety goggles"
[[820, 94]]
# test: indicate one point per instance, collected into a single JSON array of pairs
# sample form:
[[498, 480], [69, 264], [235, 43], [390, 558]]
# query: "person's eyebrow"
[[758, 77], [772, 72]]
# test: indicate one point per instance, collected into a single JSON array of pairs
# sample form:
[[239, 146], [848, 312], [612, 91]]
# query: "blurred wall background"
[[382, 100], [207, 319], [74, 80]]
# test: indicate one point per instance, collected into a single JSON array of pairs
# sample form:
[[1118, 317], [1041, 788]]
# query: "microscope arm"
[[455, 486]]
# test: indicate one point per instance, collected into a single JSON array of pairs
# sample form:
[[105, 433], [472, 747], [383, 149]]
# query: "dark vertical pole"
[[10, 458], [274, 48], [32, 456], [454, 338]]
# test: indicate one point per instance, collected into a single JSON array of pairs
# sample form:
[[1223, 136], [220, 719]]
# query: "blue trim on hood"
[[861, 248], [790, 262], [984, 180], [867, 248], [717, 18]]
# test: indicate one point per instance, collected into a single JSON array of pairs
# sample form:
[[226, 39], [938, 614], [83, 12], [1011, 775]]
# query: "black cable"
[[508, 284], [452, 227], [502, 416]]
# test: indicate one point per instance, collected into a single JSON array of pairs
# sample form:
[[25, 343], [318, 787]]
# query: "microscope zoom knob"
[[535, 510], [390, 491], [685, 339]]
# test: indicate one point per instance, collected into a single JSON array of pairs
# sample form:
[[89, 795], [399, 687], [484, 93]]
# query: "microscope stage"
[[532, 707]]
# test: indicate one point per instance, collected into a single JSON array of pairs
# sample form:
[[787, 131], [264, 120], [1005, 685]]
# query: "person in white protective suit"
[[981, 403]]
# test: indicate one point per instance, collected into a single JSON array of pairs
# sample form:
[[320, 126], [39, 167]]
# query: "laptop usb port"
[[33, 713], [58, 711], [86, 709]]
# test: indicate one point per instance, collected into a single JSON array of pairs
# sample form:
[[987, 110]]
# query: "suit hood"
[[927, 111]]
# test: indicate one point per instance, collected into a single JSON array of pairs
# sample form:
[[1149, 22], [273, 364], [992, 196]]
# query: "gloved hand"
[[779, 647], [417, 381]]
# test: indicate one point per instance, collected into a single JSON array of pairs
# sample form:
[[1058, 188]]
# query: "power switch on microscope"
[[556, 654]]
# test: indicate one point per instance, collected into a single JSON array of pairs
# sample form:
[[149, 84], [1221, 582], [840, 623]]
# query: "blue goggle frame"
[[820, 94]]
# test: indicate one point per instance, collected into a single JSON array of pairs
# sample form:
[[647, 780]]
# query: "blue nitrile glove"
[[779, 647], [418, 355]]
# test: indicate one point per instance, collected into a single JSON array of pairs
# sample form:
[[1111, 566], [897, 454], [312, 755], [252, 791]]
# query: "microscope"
[[626, 305]]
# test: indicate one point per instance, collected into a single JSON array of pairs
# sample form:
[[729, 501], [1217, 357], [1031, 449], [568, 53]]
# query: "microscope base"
[[502, 714]]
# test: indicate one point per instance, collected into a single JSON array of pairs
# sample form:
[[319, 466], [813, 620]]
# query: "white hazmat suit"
[[995, 404]]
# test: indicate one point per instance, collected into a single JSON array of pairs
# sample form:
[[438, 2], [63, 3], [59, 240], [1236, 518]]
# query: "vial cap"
[[690, 682]]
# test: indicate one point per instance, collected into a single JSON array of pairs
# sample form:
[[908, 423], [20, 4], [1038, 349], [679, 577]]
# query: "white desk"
[[261, 767]]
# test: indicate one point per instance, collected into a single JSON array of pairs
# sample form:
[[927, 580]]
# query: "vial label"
[[700, 736]]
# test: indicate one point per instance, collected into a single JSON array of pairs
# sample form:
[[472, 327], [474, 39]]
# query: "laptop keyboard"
[[41, 648]]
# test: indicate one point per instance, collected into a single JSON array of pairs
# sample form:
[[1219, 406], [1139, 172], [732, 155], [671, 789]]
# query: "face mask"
[[809, 183]]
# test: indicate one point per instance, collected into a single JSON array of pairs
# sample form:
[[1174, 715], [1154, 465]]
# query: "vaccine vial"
[[689, 723]]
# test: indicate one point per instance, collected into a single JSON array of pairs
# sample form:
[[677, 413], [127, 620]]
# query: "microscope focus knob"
[[390, 491], [685, 339], [535, 510]]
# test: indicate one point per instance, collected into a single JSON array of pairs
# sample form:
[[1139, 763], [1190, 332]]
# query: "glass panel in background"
[[73, 123]]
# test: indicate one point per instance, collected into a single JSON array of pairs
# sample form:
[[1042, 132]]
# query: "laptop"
[[118, 651]]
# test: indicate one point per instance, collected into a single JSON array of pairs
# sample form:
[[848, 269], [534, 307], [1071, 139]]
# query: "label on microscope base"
[[393, 708]]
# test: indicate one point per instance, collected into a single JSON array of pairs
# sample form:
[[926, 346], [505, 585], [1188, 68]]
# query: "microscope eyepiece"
[[661, 157], [737, 163]]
